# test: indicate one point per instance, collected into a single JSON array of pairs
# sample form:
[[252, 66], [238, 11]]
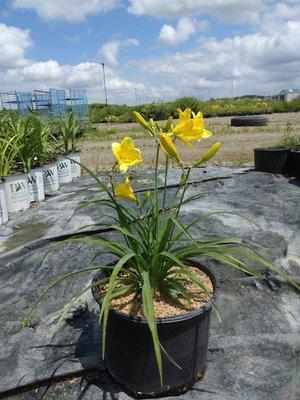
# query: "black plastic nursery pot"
[[270, 160], [130, 354], [293, 164]]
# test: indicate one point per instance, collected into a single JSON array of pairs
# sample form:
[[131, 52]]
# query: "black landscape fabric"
[[252, 352]]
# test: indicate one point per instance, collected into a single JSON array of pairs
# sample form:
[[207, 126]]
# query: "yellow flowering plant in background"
[[149, 258]]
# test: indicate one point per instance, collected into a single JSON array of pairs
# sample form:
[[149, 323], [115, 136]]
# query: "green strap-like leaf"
[[109, 291], [26, 320], [147, 295], [75, 299]]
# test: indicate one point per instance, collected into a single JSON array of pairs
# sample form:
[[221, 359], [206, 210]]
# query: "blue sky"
[[164, 48]]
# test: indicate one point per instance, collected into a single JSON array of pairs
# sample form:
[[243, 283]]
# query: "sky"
[[153, 50]]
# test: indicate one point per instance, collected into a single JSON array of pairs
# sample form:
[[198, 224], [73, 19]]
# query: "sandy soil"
[[237, 148], [164, 307]]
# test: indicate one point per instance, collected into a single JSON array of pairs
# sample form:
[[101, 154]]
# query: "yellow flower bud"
[[168, 125], [208, 154], [147, 196], [141, 120], [169, 147]]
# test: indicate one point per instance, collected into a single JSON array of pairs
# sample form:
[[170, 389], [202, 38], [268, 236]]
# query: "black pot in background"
[[294, 162], [130, 354], [270, 160]]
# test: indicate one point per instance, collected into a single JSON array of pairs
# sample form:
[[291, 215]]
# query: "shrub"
[[189, 102], [218, 107]]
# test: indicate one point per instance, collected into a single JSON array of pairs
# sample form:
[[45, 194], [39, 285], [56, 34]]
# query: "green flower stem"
[[165, 184], [156, 189], [181, 199], [184, 190], [180, 187]]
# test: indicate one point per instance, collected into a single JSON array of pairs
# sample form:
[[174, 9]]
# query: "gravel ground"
[[237, 149]]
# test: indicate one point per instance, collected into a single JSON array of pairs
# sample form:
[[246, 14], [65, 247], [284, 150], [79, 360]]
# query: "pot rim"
[[279, 149], [295, 149], [46, 166], [249, 116], [12, 177], [62, 157], [169, 320], [34, 170]]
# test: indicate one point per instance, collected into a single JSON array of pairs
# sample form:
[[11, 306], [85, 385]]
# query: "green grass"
[[94, 133], [289, 138], [91, 133]]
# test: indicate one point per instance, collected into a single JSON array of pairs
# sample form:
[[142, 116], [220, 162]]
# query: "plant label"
[[36, 186], [16, 192], [64, 171], [50, 177]]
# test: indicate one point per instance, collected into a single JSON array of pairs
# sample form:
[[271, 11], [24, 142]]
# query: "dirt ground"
[[237, 142]]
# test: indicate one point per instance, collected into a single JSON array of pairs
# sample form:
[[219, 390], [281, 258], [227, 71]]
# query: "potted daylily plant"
[[294, 161], [4, 165], [15, 184], [37, 156], [29, 153], [46, 157], [155, 301], [279, 157], [68, 131], [3, 207]]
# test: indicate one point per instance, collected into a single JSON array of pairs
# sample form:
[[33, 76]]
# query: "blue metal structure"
[[24, 102], [8, 101], [52, 104], [58, 103], [79, 104], [43, 102]]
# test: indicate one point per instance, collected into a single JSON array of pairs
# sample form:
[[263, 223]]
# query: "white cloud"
[[256, 62], [170, 36], [203, 25], [110, 50], [77, 38], [87, 75], [280, 14], [229, 11], [13, 43], [69, 10]]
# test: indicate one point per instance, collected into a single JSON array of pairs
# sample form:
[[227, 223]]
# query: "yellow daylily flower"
[[208, 154], [169, 147], [124, 190], [199, 126], [184, 115], [190, 129], [206, 133], [126, 154], [182, 129]]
